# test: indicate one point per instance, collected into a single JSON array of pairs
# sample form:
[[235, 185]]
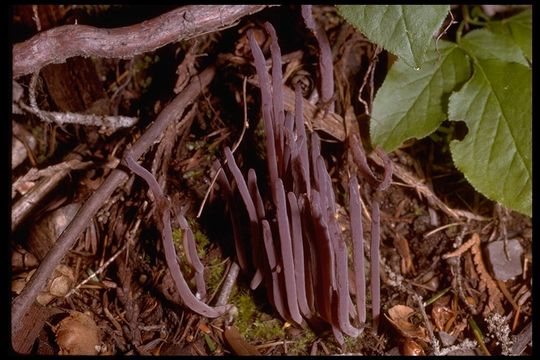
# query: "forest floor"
[[429, 210]]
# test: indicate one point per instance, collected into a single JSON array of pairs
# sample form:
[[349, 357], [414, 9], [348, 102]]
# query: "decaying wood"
[[522, 340], [58, 44]]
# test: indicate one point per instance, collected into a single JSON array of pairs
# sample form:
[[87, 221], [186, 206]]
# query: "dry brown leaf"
[[399, 316], [495, 295], [237, 343], [204, 328], [77, 334], [402, 246], [441, 315], [411, 348], [22, 260], [58, 285]]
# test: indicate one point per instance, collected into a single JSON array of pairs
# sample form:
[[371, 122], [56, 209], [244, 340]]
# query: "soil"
[[133, 299]]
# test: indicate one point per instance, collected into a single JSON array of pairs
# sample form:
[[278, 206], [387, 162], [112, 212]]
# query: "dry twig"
[[51, 177]]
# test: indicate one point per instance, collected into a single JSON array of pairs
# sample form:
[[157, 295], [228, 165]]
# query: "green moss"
[[267, 330], [177, 238], [246, 310], [215, 272], [201, 240], [351, 344], [214, 266], [252, 322], [302, 343], [418, 211]]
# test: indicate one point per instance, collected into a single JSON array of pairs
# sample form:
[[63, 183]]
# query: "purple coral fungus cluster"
[[297, 247]]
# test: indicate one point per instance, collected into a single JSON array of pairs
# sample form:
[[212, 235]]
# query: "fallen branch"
[[58, 44], [50, 178], [173, 111], [60, 118], [105, 122]]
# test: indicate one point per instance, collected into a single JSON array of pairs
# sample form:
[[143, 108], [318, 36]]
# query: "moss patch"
[[255, 325]]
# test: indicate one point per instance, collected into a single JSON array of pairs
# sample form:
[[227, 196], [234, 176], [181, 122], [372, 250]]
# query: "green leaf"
[[483, 44], [496, 154], [404, 30], [412, 103], [518, 28]]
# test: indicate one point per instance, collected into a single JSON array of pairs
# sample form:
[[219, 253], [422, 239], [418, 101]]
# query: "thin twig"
[[434, 341], [108, 122], [235, 146], [98, 271], [370, 72], [111, 122], [32, 198], [424, 190], [440, 228], [452, 22]]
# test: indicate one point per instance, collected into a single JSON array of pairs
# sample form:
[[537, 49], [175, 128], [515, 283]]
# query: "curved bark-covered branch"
[[58, 44]]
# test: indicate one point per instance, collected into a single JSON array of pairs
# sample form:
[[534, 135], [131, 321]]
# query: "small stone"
[[504, 268], [446, 339]]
